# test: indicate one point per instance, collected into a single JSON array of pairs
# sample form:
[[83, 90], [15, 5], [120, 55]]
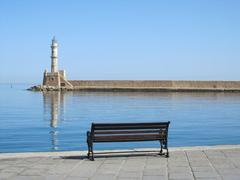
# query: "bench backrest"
[[120, 132]]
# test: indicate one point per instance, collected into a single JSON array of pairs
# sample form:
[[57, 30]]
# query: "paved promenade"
[[222, 162]]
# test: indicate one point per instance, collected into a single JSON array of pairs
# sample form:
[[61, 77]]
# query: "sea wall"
[[150, 85]]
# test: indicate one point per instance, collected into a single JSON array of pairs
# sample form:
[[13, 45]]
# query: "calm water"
[[34, 121]]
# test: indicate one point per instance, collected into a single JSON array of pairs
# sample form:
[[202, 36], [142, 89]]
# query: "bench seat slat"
[[127, 137], [128, 127], [129, 124], [125, 132], [125, 126], [125, 140]]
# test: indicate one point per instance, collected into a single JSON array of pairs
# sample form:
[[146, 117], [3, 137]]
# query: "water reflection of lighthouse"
[[53, 112]]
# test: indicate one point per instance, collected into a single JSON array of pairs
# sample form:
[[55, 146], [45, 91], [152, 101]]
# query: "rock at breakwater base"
[[44, 88]]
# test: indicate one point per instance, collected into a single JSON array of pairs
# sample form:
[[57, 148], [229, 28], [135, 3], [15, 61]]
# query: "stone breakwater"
[[148, 85], [47, 88]]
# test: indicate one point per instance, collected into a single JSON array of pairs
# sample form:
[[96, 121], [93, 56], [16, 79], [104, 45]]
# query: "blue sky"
[[121, 39]]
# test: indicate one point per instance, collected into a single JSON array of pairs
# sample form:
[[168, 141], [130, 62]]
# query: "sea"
[[58, 121]]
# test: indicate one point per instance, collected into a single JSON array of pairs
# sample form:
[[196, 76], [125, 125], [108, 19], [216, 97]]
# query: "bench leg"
[[92, 157], [166, 147], [167, 154], [88, 154], [161, 150], [88, 143], [91, 150], [88, 149]]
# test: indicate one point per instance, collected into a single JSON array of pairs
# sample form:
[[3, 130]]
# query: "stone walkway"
[[182, 164]]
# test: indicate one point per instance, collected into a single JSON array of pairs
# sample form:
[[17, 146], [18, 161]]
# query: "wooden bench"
[[127, 132]]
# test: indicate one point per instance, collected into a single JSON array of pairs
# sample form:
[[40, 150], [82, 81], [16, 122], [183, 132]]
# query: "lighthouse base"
[[56, 80]]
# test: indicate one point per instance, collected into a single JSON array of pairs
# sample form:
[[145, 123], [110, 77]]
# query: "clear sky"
[[121, 39]]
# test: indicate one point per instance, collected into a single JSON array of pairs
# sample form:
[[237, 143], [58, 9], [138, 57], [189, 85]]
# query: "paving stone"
[[50, 161], [179, 163], [75, 178], [202, 169], [113, 161], [85, 170], [193, 159], [154, 177], [132, 169], [154, 167], [33, 159], [235, 171], [83, 173], [133, 165], [13, 169], [28, 178], [205, 174], [212, 178], [4, 166], [33, 172], [177, 153], [223, 165], [61, 168], [127, 174], [180, 169], [108, 169], [53, 177], [6, 175], [231, 177], [43, 166], [155, 172], [103, 177], [71, 161], [25, 164], [121, 178], [200, 163], [183, 157], [180, 176]]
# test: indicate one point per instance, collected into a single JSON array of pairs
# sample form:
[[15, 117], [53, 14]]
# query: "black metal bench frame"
[[128, 132]]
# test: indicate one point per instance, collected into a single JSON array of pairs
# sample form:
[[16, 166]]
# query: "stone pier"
[[216, 162]]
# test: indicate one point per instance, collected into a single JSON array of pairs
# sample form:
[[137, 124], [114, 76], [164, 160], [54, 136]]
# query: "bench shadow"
[[117, 154]]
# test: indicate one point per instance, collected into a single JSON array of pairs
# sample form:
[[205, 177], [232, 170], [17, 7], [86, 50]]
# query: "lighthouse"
[[56, 79], [54, 56]]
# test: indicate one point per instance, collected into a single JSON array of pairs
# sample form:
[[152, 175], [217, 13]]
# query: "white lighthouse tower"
[[54, 56]]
